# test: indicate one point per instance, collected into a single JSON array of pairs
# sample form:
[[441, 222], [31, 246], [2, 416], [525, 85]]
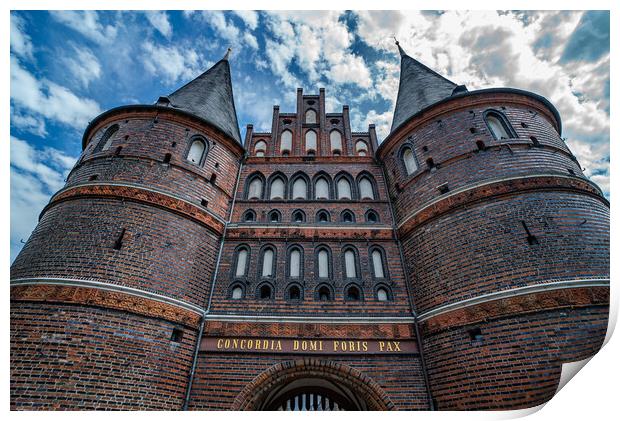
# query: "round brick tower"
[[505, 240], [108, 292]]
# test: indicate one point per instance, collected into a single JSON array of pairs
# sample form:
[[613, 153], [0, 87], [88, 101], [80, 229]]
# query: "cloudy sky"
[[67, 67]]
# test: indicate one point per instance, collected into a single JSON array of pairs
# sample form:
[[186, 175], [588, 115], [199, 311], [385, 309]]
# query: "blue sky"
[[67, 67]]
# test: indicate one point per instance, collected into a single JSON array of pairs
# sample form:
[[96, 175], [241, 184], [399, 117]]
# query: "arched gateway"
[[312, 385]]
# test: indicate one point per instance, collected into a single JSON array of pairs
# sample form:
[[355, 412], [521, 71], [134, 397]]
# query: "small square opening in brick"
[[177, 335], [475, 334]]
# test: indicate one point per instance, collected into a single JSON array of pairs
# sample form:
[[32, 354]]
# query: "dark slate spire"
[[210, 97], [419, 87]]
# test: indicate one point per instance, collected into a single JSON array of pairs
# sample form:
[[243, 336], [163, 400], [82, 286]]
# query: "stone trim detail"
[[494, 188], [518, 305], [94, 296], [367, 389], [330, 231], [308, 319], [141, 195]]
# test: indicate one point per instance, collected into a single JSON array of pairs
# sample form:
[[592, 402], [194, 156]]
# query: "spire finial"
[[227, 53], [400, 50]]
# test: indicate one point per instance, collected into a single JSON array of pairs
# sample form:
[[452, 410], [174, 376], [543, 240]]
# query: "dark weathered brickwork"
[[485, 250]]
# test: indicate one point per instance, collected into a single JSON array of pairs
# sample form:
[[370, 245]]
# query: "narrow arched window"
[[344, 189], [377, 264], [311, 116], [196, 151], [295, 263], [268, 260], [409, 159], [498, 126], [249, 216], [277, 189], [260, 149], [321, 189], [286, 142], [242, 263], [274, 216], [372, 217], [382, 294], [264, 292], [335, 139], [255, 191], [300, 189], [323, 263], [366, 190], [347, 217], [322, 216], [361, 148], [106, 140], [324, 293], [350, 264], [353, 293], [294, 293], [237, 293], [310, 142], [298, 216]]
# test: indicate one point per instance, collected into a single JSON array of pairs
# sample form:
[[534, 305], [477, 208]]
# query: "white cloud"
[[250, 17], [171, 62], [250, 40], [224, 28], [46, 98], [28, 123], [87, 23], [159, 20], [21, 44], [84, 65]]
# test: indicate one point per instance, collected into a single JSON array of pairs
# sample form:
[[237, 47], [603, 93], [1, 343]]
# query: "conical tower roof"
[[418, 88], [210, 97]]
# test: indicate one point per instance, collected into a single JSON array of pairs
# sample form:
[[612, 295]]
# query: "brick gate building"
[[457, 265]]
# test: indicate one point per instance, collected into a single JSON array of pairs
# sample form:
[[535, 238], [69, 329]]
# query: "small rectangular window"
[[177, 335]]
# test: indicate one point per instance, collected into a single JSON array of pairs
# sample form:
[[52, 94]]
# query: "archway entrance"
[[312, 385]]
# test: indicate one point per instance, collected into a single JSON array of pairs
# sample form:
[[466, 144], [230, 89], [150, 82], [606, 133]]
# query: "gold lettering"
[[266, 344], [351, 346], [227, 343], [313, 346], [304, 345], [220, 343], [279, 346], [250, 344], [257, 344], [235, 343], [381, 346], [365, 346], [320, 345], [396, 346], [295, 345], [389, 346], [335, 345]]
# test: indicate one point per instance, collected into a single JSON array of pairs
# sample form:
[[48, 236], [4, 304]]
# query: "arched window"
[[196, 151], [324, 293], [268, 265], [294, 292], [260, 148], [361, 148], [383, 294], [322, 216], [265, 292], [377, 264], [335, 139], [498, 125], [294, 265], [310, 142], [255, 191], [323, 263], [350, 264], [242, 262], [286, 142], [300, 189], [344, 189], [236, 293], [321, 189], [347, 217], [249, 216], [311, 116], [409, 160], [275, 216], [372, 217], [276, 190], [299, 216], [366, 189], [353, 293], [106, 140]]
